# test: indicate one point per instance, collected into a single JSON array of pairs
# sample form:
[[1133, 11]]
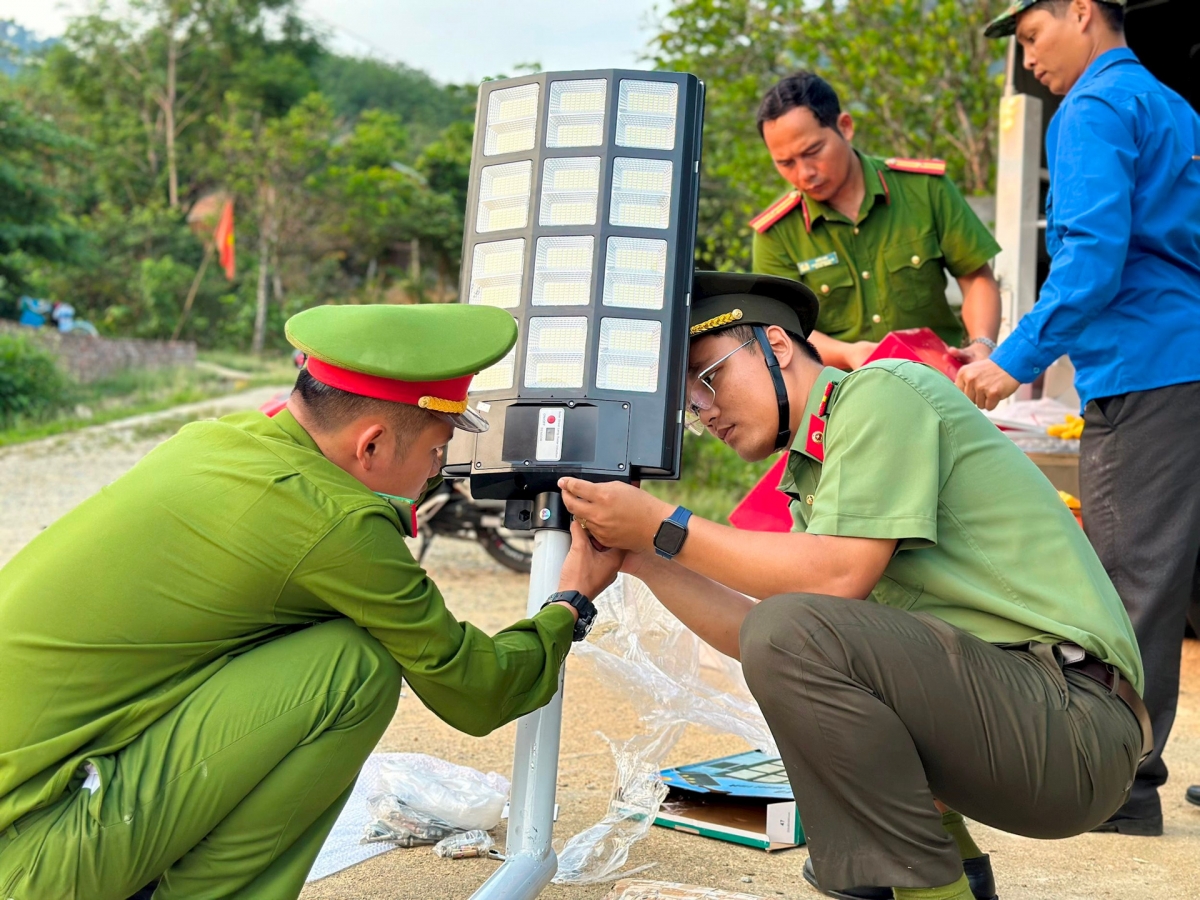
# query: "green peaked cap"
[[427, 342], [726, 299], [1005, 24]]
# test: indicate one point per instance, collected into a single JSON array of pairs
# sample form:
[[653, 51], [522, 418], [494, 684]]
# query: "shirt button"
[[809, 499], [877, 318], [824, 289], [866, 275], [916, 260], [856, 230]]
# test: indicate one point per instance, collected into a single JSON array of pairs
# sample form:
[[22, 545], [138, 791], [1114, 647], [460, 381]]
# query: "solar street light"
[[580, 221]]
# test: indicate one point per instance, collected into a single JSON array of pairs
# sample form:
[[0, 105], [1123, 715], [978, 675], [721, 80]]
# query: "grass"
[[135, 392]]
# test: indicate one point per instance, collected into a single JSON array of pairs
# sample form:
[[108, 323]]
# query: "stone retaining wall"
[[92, 358]]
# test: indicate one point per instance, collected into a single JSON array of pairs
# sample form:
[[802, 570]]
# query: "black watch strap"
[[582, 605]]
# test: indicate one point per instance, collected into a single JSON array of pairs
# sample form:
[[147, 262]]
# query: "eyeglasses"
[[702, 394]]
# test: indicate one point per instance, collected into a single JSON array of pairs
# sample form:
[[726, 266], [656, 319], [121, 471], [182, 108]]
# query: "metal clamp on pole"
[[530, 861]]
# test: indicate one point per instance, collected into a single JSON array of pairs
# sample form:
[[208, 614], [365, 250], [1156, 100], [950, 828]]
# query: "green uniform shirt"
[[984, 542], [228, 535], [884, 271]]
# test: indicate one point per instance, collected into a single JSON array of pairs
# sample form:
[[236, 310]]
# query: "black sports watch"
[[671, 534], [582, 605]]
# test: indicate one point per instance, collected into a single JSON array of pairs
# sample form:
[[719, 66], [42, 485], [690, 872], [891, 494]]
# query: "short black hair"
[[330, 408], [743, 333], [1113, 13], [800, 89]]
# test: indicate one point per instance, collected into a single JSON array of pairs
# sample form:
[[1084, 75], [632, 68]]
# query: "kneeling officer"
[[192, 695], [938, 627]]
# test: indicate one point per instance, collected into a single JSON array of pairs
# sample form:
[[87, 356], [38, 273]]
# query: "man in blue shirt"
[[1123, 300]]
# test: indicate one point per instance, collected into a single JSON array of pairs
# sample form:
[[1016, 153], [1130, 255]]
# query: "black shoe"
[[858, 893], [1139, 826], [1193, 794], [978, 870]]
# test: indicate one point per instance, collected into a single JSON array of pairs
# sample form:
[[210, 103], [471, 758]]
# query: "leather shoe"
[[978, 870], [858, 893], [1193, 794], [1139, 826]]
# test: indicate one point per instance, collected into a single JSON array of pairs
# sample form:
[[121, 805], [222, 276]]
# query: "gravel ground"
[[40, 481]]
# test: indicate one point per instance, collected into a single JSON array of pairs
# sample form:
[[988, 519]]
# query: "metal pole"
[[530, 861]]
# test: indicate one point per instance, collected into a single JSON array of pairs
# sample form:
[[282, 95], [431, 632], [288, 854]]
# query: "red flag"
[[223, 237]]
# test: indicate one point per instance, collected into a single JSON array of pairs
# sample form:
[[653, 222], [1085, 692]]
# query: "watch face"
[[670, 537]]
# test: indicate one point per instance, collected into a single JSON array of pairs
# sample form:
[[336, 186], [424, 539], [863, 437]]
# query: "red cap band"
[[381, 388]]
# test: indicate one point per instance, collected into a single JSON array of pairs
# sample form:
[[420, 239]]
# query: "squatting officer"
[[1123, 300], [872, 238], [192, 698], [937, 627]]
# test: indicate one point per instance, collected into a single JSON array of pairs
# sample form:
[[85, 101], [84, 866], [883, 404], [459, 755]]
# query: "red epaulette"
[[917, 166], [776, 211]]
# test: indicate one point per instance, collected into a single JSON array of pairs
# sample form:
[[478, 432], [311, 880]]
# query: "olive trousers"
[[232, 793], [877, 711]]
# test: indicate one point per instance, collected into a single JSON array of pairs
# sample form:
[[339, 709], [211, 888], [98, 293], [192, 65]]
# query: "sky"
[[453, 40]]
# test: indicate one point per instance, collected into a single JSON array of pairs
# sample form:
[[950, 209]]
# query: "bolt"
[[545, 514], [571, 404], [526, 462], [624, 406], [620, 465], [479, 465]]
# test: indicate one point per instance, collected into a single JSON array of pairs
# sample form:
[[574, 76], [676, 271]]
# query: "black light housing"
[[581, 221]]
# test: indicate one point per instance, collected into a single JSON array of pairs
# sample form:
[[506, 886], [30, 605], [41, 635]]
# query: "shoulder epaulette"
[[776, 211], [917, 166]]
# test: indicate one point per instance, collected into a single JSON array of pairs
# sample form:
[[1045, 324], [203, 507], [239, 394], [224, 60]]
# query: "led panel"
[[635, 272], [496, 271], [576, 113], [646, 114], [504, 196], [496, 377], [555, 352], [628, 357], [511, 120], [562, 271], [570, 191], [641, 193]]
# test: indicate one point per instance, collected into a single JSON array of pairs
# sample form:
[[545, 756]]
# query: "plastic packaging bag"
[[465, 845], [457, 795], [394, 821], [675, 680]]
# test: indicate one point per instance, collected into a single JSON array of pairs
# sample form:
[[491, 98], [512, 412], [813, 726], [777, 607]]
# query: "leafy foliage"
[[31, 385], [917, 75]]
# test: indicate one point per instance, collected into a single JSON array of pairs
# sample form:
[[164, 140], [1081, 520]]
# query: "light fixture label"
[[549, 434]]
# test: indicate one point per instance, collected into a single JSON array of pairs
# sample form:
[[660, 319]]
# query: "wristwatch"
[[582, 605], [986, 341], [671, 534]]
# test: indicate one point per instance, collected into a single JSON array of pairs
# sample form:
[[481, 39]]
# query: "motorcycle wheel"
[[511, 549]]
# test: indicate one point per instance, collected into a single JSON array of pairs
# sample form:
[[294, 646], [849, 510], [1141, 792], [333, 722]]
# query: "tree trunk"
[[260, 310], [169, 112], [191, 294], [414, 260]]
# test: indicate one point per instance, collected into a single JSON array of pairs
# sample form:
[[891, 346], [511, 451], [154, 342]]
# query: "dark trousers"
[[877, 711], [1139, 474]]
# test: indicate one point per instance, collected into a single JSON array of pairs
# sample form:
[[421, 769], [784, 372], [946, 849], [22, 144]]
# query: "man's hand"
[[971, 353], [617, 515], [856, 353], [586, 569], [985, 383]]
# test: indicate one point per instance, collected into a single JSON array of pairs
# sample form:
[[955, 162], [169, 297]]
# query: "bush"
[[714, 479], [31, 385]]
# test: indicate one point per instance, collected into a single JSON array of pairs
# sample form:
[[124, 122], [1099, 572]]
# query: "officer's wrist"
[[568, 606]]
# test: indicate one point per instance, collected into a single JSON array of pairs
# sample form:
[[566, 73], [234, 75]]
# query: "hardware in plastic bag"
[[466, 845]]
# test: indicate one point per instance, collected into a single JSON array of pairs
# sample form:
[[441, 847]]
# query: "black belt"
[[1109, 677]]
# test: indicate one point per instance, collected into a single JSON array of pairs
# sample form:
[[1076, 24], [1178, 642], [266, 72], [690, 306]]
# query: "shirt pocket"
[[890, 592], [841, 309], [915, 275]]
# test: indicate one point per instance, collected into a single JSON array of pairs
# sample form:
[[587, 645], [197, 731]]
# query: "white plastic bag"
[[457, 795]]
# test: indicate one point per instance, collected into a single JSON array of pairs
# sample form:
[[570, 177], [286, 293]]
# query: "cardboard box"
[[744, 799]]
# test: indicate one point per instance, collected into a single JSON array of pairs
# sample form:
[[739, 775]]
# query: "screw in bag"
[[467, 845]]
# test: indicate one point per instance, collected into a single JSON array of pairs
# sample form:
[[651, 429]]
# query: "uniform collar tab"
[[817, 408]]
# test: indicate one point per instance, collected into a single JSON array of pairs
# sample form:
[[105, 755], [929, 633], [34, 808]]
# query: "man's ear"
[[367, 444], [784, 349], [845, 124]]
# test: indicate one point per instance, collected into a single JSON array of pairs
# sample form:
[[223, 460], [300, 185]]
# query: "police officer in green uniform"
[[197, 660], [935, 638], [872, 238]]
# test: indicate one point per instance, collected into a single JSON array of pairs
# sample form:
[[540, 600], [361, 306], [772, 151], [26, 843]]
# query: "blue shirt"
[[1123, 231]]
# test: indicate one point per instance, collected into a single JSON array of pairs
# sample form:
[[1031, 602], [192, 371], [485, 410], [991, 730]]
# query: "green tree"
[[917, 75]]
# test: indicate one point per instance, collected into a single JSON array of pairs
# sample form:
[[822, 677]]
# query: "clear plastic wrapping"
[[674, 679]]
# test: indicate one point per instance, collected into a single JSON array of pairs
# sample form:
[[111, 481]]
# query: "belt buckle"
[[1071, 654]]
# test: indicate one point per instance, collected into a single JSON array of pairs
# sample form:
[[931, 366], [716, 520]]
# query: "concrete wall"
[[92, 358]]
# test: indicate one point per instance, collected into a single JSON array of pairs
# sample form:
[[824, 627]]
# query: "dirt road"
[[39, 482]]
